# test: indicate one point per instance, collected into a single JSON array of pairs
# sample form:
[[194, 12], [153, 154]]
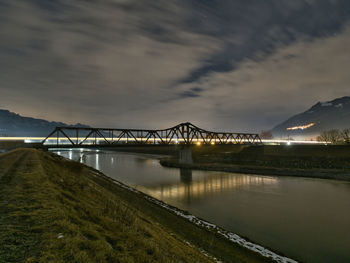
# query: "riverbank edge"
[[205, 225], [195, 232], [333, 174]]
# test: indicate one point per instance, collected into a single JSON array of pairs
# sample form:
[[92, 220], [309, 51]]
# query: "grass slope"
[[55, 210]]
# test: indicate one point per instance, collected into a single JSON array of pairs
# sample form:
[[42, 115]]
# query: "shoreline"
[[333, 174], [234, 239], [167, 159], [79, 207], [230, 236]]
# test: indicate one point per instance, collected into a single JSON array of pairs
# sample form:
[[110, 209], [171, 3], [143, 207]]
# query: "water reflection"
[[188, 189], [186, 175], [306, 219], [148, 176], [97, 161]]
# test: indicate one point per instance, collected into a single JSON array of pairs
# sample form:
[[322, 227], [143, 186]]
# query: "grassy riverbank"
[[55, 210], [318, 161], [8, 145]]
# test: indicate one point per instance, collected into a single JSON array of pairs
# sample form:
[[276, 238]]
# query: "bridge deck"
[[184, 133]]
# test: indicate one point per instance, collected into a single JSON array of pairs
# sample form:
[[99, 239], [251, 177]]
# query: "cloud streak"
[[225, 64]]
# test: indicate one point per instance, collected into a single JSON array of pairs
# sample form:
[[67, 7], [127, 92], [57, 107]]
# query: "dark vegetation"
[[266, 135], [335, 136], [55, 210], [8, 145], [321, 161], [288, 156], [282, 156]]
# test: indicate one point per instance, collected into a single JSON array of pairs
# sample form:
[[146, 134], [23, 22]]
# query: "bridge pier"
[[185, 155]]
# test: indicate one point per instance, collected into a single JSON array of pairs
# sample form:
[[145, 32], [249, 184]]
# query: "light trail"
[[199, 142], [289, 142]]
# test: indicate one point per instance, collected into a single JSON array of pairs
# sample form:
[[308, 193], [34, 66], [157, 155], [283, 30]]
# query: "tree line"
[[335, 136]]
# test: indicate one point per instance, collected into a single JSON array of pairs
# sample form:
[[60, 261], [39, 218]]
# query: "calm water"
[[306, 219]]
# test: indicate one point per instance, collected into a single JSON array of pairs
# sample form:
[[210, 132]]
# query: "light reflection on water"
[[307, 219], [181, 184], [187, 188]]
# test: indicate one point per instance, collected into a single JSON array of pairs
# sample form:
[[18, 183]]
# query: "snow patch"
[[202, 251], [326, 104], [340, 105]]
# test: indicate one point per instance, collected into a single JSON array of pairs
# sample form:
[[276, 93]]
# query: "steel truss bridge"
[[184, 133]]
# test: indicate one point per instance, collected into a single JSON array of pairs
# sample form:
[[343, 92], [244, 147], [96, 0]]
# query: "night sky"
[[240, 65]]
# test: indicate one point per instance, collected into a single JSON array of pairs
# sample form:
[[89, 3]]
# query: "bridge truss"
[[184, 133]]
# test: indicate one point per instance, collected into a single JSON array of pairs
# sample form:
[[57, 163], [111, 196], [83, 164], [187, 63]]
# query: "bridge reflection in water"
[[189, 189], [180, 184], [301, 217]]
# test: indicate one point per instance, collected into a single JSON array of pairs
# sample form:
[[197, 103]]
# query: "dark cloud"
[[155, 63], [191, 93], [251, 27]]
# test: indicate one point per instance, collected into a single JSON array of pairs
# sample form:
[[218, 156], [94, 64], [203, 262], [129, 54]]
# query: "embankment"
[[56, 210], [260, 170], [316, 161], [11, 144]]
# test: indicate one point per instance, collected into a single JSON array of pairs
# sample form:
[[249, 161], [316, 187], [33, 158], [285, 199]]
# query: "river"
[[305, 219]]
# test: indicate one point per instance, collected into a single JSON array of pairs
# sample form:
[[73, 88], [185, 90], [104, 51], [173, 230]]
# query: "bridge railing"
[[184, 133]]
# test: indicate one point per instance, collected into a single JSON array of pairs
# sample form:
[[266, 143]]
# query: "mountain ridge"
[[334, 114], [13, 124]]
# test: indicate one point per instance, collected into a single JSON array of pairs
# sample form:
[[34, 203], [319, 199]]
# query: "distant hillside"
[[322, 116], [12, 124]]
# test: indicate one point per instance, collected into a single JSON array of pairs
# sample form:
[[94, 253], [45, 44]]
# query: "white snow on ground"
[[229, 235], [340, 105], [203, 252]]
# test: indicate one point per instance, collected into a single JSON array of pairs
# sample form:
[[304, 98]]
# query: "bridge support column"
[[185, 155]]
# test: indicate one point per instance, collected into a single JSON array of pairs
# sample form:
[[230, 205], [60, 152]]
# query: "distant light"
[[288, 143], [212, 143], [199, 143], [301, 127]]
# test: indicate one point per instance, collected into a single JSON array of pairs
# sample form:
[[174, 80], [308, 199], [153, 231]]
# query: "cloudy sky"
[[222, 64]]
